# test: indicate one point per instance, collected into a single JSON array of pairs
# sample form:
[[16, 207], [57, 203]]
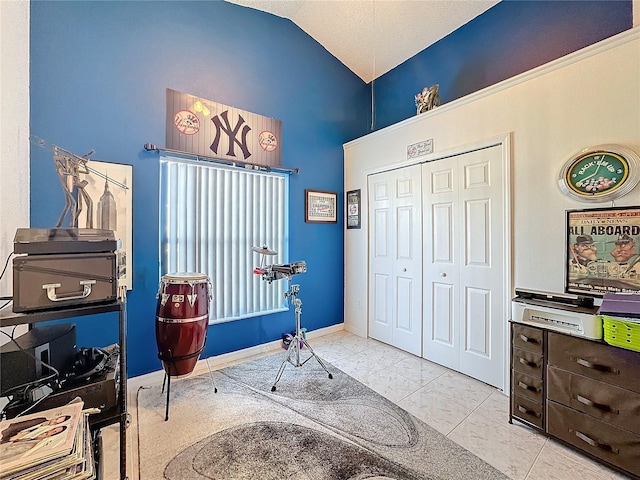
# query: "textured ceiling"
[[372, 37]]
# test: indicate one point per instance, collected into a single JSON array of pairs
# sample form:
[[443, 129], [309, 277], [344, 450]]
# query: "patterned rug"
[[310, 428]]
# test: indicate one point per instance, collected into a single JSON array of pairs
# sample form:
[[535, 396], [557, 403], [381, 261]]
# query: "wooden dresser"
[[582, 392]]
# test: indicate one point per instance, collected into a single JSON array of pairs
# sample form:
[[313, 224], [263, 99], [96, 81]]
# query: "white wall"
[[14, 130], [585, 99], [14, 126]]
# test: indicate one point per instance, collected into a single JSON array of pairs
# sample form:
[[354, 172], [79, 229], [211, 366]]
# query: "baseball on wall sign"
[[204, 127]]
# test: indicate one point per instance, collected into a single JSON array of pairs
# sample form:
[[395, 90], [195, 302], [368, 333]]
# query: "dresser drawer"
[[611, 444], [527, 410], [613, 365], [527, 338], [608, 403], [527, 362], [527, 386]]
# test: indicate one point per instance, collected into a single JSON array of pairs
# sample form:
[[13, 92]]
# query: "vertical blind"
[[210, 217]]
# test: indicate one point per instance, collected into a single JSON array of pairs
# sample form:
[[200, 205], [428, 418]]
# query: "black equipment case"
[[63, 267]]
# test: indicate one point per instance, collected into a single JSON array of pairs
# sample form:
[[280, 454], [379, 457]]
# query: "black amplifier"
[[63, 267], [100, 390]]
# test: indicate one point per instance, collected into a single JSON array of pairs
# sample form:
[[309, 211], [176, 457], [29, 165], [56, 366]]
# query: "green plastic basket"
[[623, 334]]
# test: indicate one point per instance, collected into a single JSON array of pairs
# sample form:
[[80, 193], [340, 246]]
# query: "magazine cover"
[[30, 440], [63, 468], [602, 251]]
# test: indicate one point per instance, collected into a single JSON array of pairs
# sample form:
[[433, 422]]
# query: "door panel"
[[482, 273], [405, 249], [443, 229], [440, 270], [442, 331], [463, 209], [381, 189], [407, 268], [381, 244], [476, 175], [478, 312], [396, 253], [404, 314], [406, 187], [441, 180], [380, 261], [381, 312], [477, 231]]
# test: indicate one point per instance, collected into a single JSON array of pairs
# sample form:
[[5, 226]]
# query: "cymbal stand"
[[293, 351]]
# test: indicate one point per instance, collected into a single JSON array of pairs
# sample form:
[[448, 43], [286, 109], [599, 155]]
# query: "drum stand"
[[297, 341], [170, 360]]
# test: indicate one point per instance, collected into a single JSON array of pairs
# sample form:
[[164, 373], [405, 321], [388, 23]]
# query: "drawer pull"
[[526, 362], [528, 412], [524, 338], [599, 406], [593, 443], [595, 366], [529, 387]]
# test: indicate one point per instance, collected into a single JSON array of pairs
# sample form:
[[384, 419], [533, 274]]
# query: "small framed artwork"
[[353, 209], [320, 206]]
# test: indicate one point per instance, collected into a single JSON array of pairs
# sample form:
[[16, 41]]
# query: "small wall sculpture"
[[428, 99]]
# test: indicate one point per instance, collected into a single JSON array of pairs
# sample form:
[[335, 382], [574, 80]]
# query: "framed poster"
[[109, 186], [320, 206], [602, 251], [353, 209]]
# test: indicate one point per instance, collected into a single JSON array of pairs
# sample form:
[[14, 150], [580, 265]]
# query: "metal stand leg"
[[297, 340], [167, 381], [166, 412]]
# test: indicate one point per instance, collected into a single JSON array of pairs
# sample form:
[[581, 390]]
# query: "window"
[[210, 217]]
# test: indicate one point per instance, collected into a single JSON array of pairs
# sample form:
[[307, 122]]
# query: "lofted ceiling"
[[372, 37]]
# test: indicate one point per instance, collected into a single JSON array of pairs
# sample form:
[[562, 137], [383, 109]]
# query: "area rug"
[[311, 428]]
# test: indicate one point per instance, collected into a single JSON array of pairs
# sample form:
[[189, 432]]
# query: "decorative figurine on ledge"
[[428, 99]]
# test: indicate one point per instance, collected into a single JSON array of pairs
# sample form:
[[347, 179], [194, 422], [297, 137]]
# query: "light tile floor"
[[469, 412]]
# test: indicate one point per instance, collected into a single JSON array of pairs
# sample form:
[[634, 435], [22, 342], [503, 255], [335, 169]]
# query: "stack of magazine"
[[51, 445]]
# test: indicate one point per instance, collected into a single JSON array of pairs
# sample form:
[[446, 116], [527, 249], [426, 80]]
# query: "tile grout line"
[[546, 440]]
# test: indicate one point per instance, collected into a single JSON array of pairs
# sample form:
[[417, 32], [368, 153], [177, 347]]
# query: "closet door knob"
[[443, 274]]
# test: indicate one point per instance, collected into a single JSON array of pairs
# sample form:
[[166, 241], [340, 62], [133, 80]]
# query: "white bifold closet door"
[[395, 258], [464, 281]]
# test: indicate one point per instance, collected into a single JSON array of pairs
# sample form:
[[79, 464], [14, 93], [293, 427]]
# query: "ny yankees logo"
[[231, 134]]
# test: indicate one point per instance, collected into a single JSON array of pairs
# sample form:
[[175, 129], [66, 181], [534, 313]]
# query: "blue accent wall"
[[99, 72], [508, 39]]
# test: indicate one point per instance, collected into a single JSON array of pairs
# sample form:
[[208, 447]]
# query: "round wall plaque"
[[600, 173]]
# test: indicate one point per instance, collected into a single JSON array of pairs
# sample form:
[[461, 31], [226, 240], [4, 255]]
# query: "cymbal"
[[264, 250]]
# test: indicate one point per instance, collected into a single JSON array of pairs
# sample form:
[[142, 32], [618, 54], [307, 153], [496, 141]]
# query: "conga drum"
[[182, 317]]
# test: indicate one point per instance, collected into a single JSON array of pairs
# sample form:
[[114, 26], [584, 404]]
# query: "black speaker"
[[54, 345]]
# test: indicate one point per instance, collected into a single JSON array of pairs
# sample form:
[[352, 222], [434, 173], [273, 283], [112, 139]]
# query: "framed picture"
[[110, 187], [320, 207], [353, 209], [602, 251]]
